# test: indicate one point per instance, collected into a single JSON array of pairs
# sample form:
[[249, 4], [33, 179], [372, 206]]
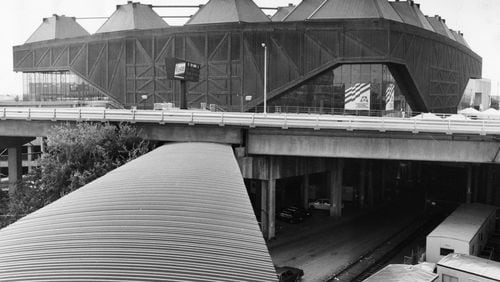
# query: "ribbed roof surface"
[[57, 27], [132, 16], [228, 11], [471, 264], [402, 272], [355, 9], [179, 213], [410, 13], [439, 25], [303, 10], [282, 13], [464, 222], [459, 37]]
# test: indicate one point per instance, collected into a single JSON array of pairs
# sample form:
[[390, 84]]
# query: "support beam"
[[370, 195], [489, 185], [305, 191], [268, 204], [362, 184], [468, 197], [15, 167], [335, 183]]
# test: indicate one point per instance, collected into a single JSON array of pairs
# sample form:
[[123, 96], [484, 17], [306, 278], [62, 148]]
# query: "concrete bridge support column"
[[268, 208], [468, 197], [362, 184], [370, 195], [15, 167], [489, 185], [335, 183], [305, 191]]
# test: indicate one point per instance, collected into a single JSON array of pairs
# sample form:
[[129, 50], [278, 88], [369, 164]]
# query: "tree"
[[74, 156]]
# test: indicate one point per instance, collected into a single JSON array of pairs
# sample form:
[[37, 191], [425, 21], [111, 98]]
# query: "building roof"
[[282, 12], [179, 213], [132, 16], [464, 222], [472, 264], [410, 13], [402, 272], [359, 9], [439, 25], [459, 37], [57, 27], [228, 11], [303, 10]]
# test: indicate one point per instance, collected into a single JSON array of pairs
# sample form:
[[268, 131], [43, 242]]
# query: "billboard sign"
[[357, 97]]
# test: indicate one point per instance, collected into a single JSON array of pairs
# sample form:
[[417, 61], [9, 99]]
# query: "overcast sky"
[[479, 20]]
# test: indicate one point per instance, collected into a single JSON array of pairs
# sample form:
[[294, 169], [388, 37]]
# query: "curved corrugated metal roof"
[[57, 27], [282, 12], [410, 13], [402, 272], [179, 213], [359, 9], [228, 11], [132, 16]]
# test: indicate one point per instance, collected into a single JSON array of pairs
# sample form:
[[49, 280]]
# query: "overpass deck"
[[252, 120]]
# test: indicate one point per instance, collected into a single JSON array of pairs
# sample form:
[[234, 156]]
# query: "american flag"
[[389, 97], [357, 97]]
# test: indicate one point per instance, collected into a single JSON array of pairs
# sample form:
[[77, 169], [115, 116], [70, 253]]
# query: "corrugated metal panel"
[[179, 213], [440, 26], [282, 13], [303, 10], [132, 16], [355, 9], [402, 272], [57, 27], [411, 14], [228, 11], [464, 222], [471, 264]]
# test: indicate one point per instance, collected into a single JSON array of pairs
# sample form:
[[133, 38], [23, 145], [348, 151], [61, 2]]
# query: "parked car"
[[288, 273], [293, 214], [320, 204]]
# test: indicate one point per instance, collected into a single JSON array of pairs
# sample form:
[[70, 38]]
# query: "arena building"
[[347, 55]]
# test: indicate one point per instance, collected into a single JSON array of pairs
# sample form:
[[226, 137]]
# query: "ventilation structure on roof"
[[132, 16], [459, 37], [303, 10], [355, 9], [228, 11], [57, 27], [410, 13], [440, 26], [282, 13]]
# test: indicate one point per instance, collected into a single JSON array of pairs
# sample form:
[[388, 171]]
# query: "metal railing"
[[271, 120]]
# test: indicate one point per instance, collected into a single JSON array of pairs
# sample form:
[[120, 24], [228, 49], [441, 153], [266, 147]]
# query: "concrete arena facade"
[[431, 70]]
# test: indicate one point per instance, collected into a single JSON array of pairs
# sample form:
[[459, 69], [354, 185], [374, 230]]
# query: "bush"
[[73, 157]]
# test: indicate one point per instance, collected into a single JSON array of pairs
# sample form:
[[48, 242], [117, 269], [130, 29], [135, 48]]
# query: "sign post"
[[184, 71]]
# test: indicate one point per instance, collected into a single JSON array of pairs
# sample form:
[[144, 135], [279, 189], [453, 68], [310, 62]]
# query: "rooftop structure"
[[132, 16], [282, 12], [57, 27], [360, 9], [439, 25], [410, 13], [228, 11], [471, 264], [402, 272]]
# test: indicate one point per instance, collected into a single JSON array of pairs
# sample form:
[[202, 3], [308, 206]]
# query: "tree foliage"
[[73, 157]]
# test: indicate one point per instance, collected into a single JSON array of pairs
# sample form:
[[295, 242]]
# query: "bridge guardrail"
[[275, 120]]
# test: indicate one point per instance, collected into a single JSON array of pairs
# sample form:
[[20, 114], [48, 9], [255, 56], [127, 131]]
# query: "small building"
[[465, 268], [402, 273], [465, 231]]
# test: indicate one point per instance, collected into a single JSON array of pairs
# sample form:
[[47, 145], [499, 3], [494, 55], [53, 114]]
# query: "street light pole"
[[265, 77]]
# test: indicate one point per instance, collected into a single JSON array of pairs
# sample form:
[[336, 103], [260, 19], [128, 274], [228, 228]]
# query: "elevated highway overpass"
[[271, 147]]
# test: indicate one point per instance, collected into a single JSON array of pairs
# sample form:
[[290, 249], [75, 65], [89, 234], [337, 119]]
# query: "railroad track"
[[378, 257]]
